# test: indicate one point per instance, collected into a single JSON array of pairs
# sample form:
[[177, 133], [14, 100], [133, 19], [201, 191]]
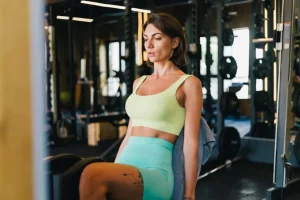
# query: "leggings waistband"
[[142, 140]]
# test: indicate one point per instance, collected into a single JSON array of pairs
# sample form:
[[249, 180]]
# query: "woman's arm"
[[129, 128], [193, 106]]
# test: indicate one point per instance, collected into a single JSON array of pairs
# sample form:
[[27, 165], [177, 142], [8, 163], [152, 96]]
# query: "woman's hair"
[[168, 25]]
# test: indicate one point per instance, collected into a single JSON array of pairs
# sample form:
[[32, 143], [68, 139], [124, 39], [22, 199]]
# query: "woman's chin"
[[152, 60]]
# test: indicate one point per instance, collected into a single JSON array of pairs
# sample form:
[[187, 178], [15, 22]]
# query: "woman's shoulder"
[[136, 81], [192, 84]]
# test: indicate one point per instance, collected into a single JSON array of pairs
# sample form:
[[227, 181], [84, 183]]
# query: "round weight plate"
[[228, 67], [261, 101], [258, 20], [261, 68], [229, 143], [262, 130], [228, 37], [229, 104]]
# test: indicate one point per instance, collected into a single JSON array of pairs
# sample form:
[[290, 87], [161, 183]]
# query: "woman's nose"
[[149, 44]]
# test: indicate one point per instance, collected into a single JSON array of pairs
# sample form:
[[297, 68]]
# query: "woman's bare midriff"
[[149, 132]]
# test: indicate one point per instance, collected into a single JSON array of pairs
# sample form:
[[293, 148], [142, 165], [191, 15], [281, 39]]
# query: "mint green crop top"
[[159, 111]]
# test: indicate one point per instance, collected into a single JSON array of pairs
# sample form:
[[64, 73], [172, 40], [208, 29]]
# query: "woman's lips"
[[151, 54]]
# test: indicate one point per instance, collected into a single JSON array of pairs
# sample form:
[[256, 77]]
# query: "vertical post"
[[193, 39], [270, 56], [220, 117], [73, 76], [208, 62], [196, 35], [252, 57], [284, 94], [129, 48]]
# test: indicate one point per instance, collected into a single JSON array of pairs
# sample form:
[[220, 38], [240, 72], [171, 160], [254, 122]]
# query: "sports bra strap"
[[139, 83], [179, 82]]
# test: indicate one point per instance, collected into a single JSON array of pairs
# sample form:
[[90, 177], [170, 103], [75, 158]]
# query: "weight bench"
[[63, 174]]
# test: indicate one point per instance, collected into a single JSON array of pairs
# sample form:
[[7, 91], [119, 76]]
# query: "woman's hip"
[[148, 153]]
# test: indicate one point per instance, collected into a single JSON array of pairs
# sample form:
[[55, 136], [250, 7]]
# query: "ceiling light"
[[114, 6], [75, 18]]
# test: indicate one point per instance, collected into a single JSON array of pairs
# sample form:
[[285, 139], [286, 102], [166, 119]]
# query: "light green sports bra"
[[159, 111]]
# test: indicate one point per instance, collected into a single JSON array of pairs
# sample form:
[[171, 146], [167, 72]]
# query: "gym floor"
[[242, 181]]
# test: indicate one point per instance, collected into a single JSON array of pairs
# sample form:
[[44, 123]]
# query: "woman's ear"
[[175, 42]]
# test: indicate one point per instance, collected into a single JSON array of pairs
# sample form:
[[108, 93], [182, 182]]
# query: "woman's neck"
[[164, 69]]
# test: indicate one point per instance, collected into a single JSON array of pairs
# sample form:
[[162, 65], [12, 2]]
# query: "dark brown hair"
[[168, 25]]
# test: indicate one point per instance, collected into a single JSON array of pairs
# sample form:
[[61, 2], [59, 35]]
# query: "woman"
[[159, 107]]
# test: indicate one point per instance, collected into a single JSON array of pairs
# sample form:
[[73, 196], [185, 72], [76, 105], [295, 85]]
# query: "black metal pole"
[[270, 56], [252, 56], [72, 73], [129, 48], [208, 62], [220, 117]]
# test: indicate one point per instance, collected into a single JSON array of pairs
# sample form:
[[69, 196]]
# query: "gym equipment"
[[262, 130], [226, 150], [227, 164], [61, 133], [259, 20], [259, 36], [229, 143], [192, 28], [64, 175], [229, 104], [283, 184], [115, 103], [227, 67], [260, 39], [261, 101], [227, 15], [261, 68], [227, 37]]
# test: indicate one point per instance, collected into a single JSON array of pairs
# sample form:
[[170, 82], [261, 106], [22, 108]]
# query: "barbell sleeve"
[[262, 40]]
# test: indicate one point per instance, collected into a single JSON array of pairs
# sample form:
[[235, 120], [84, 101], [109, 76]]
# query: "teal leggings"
[[153, 158]]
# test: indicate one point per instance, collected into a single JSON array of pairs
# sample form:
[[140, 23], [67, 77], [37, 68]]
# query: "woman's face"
[[158, 45]]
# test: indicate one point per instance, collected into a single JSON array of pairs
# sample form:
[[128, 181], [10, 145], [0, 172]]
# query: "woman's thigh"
[[122, 181]]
